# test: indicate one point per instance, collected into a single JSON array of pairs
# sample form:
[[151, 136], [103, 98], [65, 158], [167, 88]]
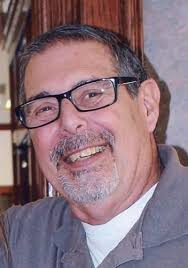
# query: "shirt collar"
[[164, 218], [70, 234]]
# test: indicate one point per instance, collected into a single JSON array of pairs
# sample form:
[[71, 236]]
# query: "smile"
[[86, 153]]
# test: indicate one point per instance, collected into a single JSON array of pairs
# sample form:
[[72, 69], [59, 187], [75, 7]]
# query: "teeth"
[[85, 153], [97, 149]]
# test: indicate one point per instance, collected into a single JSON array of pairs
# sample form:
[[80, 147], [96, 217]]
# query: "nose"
[[71, 120]]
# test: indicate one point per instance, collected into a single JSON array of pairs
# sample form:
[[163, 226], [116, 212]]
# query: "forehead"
[[63, 65]]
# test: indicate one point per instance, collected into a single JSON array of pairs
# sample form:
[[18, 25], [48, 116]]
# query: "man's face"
[[101, 156]]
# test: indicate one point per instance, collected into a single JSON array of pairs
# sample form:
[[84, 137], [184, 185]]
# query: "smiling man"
[[91, 111]]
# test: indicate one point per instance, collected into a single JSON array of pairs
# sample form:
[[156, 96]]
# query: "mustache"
[[78, 141]]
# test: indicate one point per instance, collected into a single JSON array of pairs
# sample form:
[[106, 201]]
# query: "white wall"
[[6, 166], [6, 170], [166, 46], [4, 79]]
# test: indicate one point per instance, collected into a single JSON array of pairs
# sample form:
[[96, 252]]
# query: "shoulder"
[[161, 217], [40, 208], [48, 213], [171, 163]]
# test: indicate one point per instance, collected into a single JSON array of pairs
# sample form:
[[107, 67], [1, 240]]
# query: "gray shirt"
[[46, 234]]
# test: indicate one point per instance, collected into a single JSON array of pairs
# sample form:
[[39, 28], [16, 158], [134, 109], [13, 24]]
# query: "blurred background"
[[156, 30]]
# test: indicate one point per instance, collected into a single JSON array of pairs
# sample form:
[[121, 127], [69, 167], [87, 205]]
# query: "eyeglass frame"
[[67, 95]]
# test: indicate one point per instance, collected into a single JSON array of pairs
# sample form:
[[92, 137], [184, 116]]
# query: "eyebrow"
[[39, 95], [46, 93]]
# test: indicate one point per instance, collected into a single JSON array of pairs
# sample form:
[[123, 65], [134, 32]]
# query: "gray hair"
[[127, 63]]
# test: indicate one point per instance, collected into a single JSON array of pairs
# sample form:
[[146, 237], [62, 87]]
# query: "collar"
[[69, 235], [70, 238], [165, 218]]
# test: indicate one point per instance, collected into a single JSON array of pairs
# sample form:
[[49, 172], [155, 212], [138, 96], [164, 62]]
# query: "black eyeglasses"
[[90, 96]]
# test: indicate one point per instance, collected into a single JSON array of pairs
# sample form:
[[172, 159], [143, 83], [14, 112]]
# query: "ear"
[[149, 95]]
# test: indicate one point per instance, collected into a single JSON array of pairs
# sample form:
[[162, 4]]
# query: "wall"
[[6, 171], [166, 47], [4, 79]]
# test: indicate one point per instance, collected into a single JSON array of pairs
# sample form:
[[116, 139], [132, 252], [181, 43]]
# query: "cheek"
[[128, 129], [41, 141]]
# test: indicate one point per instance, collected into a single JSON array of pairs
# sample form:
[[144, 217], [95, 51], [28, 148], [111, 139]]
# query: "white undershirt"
[[101, 239]]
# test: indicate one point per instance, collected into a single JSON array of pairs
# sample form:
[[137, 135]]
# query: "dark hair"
[[127, 64]]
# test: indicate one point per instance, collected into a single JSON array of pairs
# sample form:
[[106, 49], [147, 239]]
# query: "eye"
[[44, 109], [93, 94]]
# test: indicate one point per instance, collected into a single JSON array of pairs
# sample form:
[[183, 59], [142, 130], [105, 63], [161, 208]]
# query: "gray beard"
[[88, 186], [95, 182]]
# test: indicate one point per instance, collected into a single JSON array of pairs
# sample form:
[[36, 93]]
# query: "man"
[[91, 111]]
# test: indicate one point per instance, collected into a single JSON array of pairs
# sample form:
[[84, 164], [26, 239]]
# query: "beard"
[[90, 184]]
